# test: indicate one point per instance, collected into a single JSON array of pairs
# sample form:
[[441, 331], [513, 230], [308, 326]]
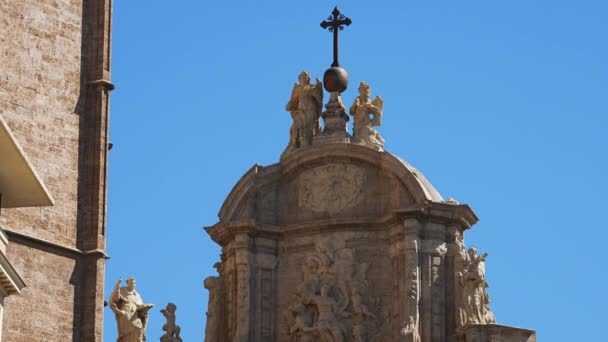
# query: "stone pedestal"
[[334, 119], [494, 333]]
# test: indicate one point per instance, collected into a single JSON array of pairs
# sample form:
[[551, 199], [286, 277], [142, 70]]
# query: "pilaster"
[[243, 289], [266, 289], [411, 320], [432, 252]]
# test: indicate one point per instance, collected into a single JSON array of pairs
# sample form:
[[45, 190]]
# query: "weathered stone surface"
[[130, 311], [363, 127], [342, 242], [494, 333], [54, 83], [171, 329], [305, 107]]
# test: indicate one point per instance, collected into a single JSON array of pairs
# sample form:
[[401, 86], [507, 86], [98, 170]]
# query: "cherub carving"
[[363, 127], [171, 329], [305, 106]]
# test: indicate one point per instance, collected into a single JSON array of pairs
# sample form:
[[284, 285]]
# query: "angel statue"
[[305, 106], [131, 313], [363, 127]]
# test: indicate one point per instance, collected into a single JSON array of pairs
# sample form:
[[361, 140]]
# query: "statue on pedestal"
[[363, 127], [305, 106], [131, 312], [171, 329]]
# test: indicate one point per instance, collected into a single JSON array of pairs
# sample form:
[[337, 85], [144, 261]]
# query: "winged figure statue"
[[305, 106]]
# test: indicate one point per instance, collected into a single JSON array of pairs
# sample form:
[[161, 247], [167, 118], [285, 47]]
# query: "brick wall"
[[50, 53]]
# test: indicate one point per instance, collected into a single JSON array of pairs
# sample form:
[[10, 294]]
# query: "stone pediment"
[[327, 182]]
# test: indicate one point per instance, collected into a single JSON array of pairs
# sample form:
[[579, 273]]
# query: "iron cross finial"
[[335, 23]]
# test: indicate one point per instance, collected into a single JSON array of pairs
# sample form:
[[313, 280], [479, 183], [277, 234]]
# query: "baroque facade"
[[54, 96], [343, 241]]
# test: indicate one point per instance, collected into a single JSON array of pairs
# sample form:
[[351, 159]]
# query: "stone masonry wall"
[[46, 305], [40, 55], [50, 53]]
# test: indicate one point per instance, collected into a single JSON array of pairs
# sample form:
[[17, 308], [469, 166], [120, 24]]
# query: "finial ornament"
[[335, 78], [335, 23]]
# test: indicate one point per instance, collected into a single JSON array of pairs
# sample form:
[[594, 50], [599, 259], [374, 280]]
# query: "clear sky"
[[503, 105]]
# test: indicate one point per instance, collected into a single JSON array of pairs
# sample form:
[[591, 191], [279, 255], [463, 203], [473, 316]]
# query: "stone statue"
[[305, 106], [474, 307], [363, 127], [213, 309], [171, 330], [131, 313]]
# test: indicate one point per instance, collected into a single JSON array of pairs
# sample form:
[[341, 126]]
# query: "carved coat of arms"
[[331, 188]]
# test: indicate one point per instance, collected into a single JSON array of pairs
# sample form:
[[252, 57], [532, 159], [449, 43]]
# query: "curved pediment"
[[327, 182]]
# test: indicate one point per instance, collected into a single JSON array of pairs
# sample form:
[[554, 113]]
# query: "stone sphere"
[[335, 79]]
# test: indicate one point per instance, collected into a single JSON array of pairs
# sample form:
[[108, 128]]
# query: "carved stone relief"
[[331, 188], [243, 274], [333, 302], [411, 328]]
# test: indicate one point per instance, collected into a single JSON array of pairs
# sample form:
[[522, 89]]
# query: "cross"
[[335, 23]]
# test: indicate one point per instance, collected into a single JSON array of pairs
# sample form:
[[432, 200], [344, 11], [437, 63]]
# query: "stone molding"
[[420, 190], [494, 333], [13, 236]]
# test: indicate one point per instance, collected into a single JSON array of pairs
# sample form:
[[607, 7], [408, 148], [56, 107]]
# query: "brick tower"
[[54, 96]]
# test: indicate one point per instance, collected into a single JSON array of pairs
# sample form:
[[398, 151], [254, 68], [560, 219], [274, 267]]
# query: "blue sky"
[[503, 105]]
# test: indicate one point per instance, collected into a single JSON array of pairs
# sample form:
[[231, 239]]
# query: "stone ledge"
[[494, 333], [53, 246]]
